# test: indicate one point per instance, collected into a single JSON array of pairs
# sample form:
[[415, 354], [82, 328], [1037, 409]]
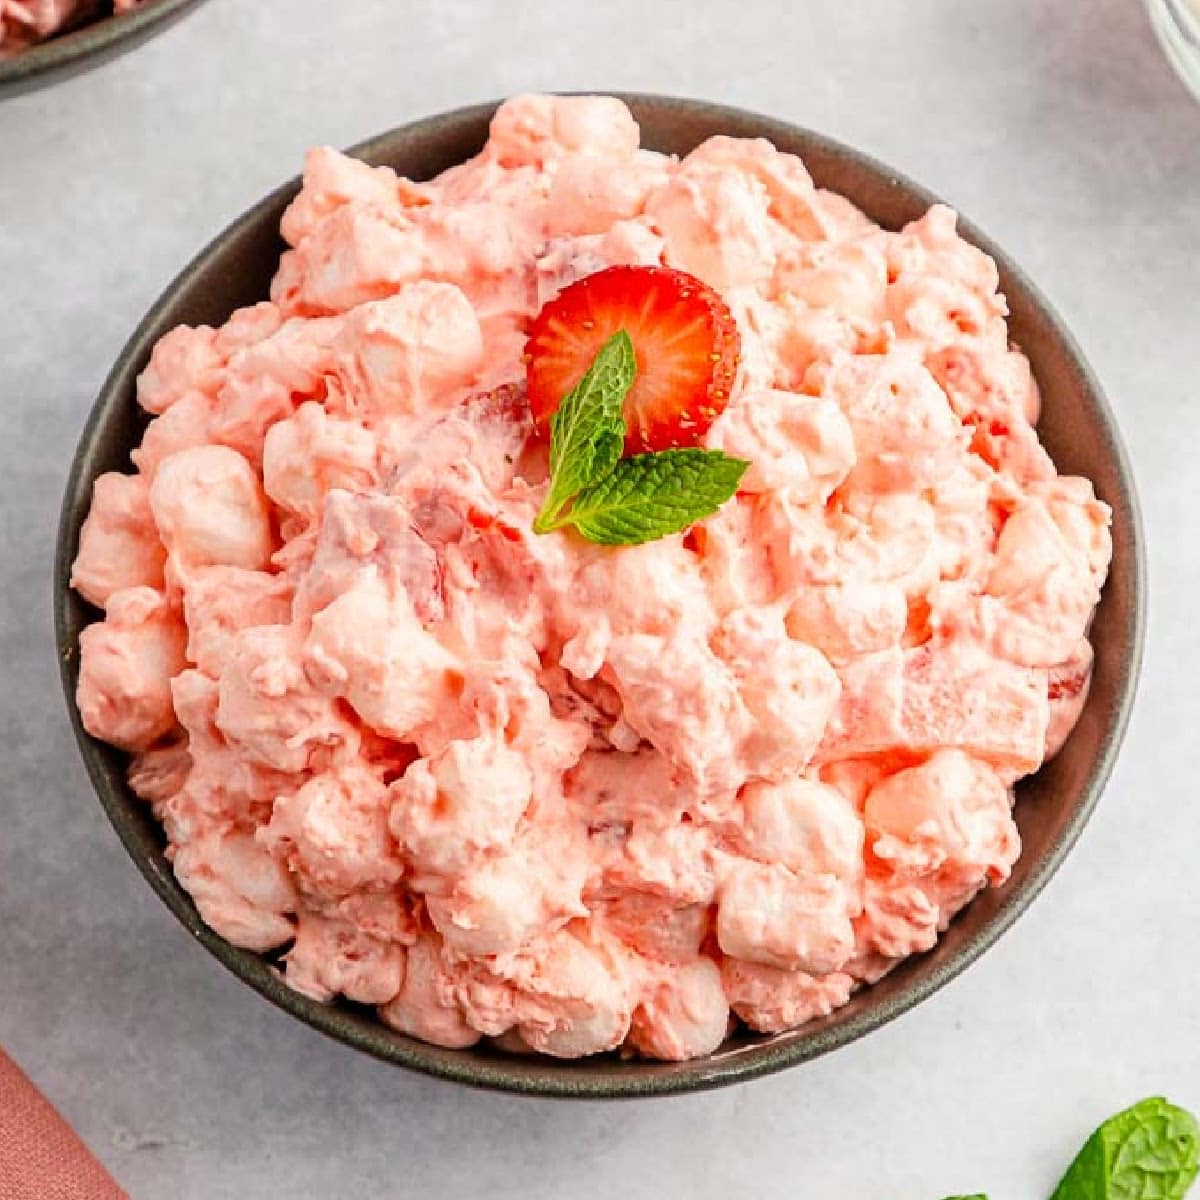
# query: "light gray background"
[[1059, 128]]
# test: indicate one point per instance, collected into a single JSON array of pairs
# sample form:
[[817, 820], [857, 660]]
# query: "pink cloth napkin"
[[41, 1158]]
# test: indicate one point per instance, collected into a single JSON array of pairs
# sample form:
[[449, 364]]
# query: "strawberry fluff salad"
[[567, 796]]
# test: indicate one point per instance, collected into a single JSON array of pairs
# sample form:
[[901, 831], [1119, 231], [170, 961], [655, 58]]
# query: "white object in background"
[[1177, 23]]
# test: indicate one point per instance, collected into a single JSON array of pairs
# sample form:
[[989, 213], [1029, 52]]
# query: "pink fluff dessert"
[[577, 797], [24, 23]]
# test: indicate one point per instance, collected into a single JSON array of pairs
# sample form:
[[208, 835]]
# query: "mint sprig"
[[650, 496], [1148, 1152], [619, 501], [587, 431]]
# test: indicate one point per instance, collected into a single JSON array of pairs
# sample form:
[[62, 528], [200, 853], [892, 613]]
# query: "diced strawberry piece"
[[1067, 688], [684, 337]]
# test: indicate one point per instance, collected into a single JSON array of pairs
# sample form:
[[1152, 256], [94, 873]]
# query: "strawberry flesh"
[[684, 338]]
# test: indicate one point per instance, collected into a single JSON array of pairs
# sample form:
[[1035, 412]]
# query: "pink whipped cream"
[[25, 22], [572, 797]]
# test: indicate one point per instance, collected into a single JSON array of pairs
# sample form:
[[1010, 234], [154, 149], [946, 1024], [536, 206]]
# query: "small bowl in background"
[[87, 45], [1176, 23]]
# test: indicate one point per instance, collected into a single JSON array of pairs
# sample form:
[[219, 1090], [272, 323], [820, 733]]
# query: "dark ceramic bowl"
[[86, 45], [1052, 806]]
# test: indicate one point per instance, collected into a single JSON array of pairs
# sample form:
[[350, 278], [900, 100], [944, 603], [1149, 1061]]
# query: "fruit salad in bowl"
[[601, 600]]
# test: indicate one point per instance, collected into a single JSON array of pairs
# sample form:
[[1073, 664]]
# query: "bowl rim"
[[574, 1078], [87, 46]]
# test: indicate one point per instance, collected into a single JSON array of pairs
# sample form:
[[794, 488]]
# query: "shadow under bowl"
[[87, 45], [1052, 806]]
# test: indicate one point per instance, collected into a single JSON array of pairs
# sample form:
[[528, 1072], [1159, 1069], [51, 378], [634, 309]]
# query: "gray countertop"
[[1059, 128]]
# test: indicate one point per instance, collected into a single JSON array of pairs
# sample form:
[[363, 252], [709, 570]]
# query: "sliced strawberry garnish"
[[685, 339]]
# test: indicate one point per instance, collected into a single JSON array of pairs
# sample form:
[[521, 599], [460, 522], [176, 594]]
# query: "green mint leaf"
[[972, 1196], [650, 496], [587, 431], [1147, 1152]]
